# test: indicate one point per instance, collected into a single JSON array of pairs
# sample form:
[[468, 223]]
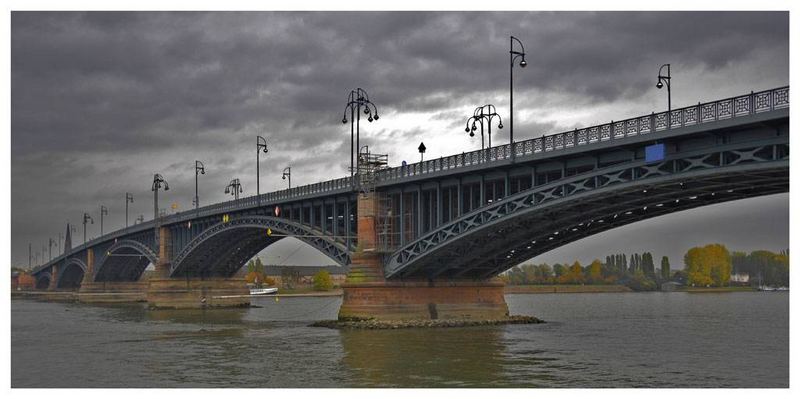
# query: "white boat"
[[263, 291]]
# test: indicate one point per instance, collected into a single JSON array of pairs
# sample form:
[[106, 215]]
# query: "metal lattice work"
[[495, 237], [222, 249], [124, 260], [67, 275]]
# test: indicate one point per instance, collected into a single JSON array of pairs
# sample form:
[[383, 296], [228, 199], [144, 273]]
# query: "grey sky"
[[100, 101]]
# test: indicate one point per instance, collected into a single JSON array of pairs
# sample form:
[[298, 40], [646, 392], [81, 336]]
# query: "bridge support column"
[[88, 275], [164, 253], [368, 295], [168, 292], [54, 278]]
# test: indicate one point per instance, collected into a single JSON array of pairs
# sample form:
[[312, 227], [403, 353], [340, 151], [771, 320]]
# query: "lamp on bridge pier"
[[356, 100], [103, 211], [513, 55], [158, 183], [287, 172], [128, 200], [234, 188], [86, 218], [261, 145], [199, 169], [666, 79]]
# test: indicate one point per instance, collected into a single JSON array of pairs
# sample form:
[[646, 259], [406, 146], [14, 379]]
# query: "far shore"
[[564, 289]]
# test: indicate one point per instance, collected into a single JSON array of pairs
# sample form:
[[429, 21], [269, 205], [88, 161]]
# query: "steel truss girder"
[[71, 262], [221, 249], [110, 268], [708, 162]]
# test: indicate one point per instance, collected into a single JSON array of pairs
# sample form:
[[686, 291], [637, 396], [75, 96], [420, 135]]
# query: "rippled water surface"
[[591, 340]]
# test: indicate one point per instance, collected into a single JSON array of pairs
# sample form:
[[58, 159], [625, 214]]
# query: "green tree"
[[594, 273], [708, 265], [323, 281], [665, 272]]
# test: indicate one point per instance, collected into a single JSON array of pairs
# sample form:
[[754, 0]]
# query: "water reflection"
[[470, 356]]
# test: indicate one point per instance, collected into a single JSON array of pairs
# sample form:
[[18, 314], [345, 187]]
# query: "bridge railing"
[[733, 107]]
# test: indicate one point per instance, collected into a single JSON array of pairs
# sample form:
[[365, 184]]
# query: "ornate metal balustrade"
[[530, 200], [748, 104]]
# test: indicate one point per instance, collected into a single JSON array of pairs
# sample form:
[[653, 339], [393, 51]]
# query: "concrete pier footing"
[[390, 300], [176, 293]]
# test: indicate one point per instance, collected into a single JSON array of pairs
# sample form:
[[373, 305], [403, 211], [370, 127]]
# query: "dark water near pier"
[[738, 339]]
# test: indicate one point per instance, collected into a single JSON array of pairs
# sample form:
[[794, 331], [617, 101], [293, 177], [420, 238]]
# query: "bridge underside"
[[125, 264], [491, 250], [71, 277], [225, 253]]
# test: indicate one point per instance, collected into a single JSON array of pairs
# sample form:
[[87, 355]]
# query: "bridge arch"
[[43, 280], [124, 260], [221, 250], [71, 274], [505, 233]]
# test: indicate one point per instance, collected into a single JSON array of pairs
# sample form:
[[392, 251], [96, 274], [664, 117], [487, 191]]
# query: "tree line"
[[707, 266]]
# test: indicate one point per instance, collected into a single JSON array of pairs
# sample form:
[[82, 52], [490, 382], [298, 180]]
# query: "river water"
[[738, 339]]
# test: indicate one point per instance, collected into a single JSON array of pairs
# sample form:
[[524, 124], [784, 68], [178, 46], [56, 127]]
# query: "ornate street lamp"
[[128, 200], [513, 55], [483, 114], [666, 79], [261, 145], [199, 169], [158, 183], [287, 172], [103, 211], [357, 100], [86, 218], [234, 188]]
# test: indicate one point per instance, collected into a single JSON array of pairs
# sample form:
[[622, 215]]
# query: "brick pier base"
[[113, 291], [390, 300], [176, 293]]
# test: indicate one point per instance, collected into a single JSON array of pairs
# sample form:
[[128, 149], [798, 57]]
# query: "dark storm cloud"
[[102, 100]]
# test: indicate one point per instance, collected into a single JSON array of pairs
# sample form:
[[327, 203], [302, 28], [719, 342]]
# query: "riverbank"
[[715, 289], [564, 289]]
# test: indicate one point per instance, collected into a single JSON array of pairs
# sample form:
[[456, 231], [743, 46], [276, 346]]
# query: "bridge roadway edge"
[[368, 295]]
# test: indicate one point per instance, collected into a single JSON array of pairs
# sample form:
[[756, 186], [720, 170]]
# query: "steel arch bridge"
[[473, 215]]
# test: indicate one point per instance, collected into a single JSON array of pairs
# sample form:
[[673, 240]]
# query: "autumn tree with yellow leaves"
[[708, 266]]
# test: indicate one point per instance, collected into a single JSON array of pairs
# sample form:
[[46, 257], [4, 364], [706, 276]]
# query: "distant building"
[[740, 279], [670, 286], [22, 281]]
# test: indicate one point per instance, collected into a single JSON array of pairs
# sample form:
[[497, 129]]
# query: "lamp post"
[[139, 219], [513, 55], [357, 100], [158, 183], [128, 200], [50, 242], [261, 145], [86, 218], [199, 169], [483, 114], [234, 188], [287, 172], [660, 84], [103, 211]]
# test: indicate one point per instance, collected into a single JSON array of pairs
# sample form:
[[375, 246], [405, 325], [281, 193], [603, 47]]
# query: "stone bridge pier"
[[186, 292], [367, 294]]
